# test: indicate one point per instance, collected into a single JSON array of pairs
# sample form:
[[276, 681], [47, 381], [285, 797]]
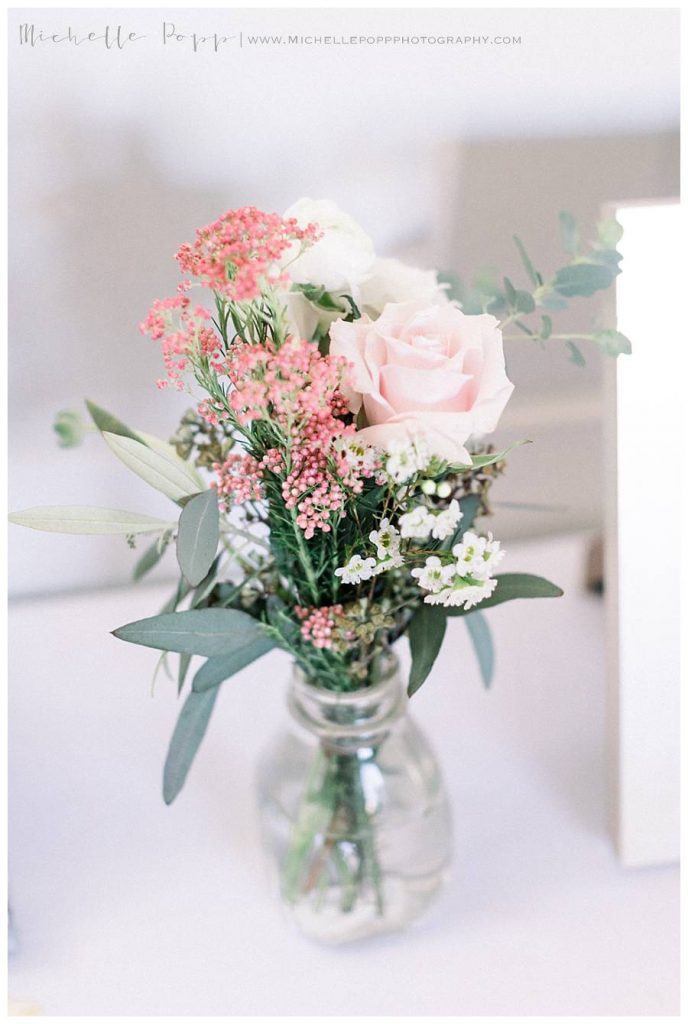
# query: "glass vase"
[[353, 811]]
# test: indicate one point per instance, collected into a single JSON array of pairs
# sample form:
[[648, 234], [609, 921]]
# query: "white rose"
[[393, 281], [341, 259]]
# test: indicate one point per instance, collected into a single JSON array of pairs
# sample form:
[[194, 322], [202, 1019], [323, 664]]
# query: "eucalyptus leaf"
[[70, 428], [469, 505], [614, 343], [86, 519], [525, 303], [107, 423], [216, 670], [186, 739], [172, 478], [525, 259], [583, 279], [481, 637], [206, 631], [426, 633], [480, 461], [184, 662], [609, 233], [198, 536], [575, 354], [149, 559], [569, 232]]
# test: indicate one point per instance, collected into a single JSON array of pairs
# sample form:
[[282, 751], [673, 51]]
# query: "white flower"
[[477, 556], [492, 555], [387, 540], [356, 569], [395, 561], [358, 454], [406, 458], [433, 576], [462, 594], [393, 281], [416, 522], [341, 259], [443, 524]]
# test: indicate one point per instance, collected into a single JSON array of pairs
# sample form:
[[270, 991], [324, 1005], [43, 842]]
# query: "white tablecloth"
[[125, 906]]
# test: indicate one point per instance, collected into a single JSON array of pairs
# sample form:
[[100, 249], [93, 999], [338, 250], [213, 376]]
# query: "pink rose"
[[428, 370]]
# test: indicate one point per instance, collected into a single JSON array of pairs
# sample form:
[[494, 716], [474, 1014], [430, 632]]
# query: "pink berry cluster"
[[239, 253], [318, 624], [298, 391], [238, 480], [184, 333]]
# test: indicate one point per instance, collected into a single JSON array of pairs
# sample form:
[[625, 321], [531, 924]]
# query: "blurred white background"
[[441, 153]]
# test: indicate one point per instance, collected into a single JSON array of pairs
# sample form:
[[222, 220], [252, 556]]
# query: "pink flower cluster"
[[239, 253], [238, 480], [183, 331], [298, 390], [318, 624]]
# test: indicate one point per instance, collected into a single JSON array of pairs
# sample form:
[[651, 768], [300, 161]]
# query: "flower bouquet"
[[330, 485]]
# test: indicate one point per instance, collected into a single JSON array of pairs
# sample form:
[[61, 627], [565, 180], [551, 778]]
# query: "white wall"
[[117, 157]]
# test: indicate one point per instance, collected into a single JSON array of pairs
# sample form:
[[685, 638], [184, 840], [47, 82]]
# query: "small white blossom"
[[356, 569], [462, 594], [406, 458], [417, 522], [433, 576], [477, 556], [358, 454], [395, 561], [443, 524], [387, 540], [444, 489]]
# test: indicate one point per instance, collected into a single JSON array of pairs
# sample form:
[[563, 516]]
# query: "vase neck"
[[352, 719]]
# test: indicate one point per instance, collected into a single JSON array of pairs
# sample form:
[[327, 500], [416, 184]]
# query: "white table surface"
[[124, 906]]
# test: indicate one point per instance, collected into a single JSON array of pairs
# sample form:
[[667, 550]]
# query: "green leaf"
[[525, 303], [510, 292], [198, 536], [216, 670], [546, 328], [569, 233], [525, 259], [150, 558], [320, 297], [184, 662], [609, 233], [614, 343], [186, 739], [575, 354], [512, 586], [206, 631], [469, 505], [280, 620], [86, 519], [583, 279], [207, 584], [181, 591], [553, 301], [70, 428], [479, 461], [107, 423], [480, 634], [172, 478], [426, 633], [372, 498]]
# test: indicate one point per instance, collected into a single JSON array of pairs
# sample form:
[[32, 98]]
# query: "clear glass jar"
[[353, 811]]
